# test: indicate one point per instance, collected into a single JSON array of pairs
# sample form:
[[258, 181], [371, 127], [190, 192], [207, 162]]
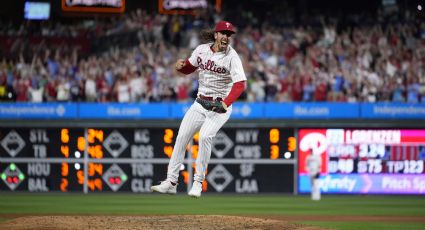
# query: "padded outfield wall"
[[366, 148]]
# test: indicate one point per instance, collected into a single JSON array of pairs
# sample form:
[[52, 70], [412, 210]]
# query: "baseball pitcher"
[[221, 81]]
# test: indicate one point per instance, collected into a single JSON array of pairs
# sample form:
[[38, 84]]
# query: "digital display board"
[[372, 161], [186, 7], [37, 10], [41, 160], [94, 6], [41, 143], [243, 160]]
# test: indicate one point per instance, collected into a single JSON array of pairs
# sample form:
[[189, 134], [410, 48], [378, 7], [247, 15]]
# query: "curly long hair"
[[207, 35]]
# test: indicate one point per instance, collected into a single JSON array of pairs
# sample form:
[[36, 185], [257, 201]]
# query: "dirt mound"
[[149, 222]]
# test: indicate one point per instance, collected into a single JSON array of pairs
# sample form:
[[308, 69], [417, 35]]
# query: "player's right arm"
[[189, 65], [180, 64]]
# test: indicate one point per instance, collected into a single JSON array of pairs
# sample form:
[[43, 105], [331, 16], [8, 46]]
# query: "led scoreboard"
[[94, 6], [243, 160], [380, 161], [39, 160]]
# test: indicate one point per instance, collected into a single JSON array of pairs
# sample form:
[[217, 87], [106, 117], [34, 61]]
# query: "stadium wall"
[[86, 147]]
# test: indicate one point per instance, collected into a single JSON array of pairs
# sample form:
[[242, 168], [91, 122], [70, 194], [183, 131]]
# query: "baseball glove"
[[215, 105]]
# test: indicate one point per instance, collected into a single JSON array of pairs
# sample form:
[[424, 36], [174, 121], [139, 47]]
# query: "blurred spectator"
[[90, 90], [36, 93], [122, 89]]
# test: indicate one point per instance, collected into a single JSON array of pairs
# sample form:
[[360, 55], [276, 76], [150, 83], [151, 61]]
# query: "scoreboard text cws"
[[248, 160]]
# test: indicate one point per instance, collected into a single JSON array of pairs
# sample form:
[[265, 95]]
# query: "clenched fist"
[[179, 64]]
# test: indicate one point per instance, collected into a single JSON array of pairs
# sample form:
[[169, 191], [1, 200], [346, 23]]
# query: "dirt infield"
[[173, 222], [149, 222]]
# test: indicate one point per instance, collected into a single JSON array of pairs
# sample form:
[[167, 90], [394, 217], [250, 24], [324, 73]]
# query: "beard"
[[222, 45]]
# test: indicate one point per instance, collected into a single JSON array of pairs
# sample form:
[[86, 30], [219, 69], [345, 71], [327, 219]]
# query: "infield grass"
[[222, 204]]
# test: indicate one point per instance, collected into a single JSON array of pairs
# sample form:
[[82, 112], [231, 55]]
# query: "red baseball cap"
[[224, 26]]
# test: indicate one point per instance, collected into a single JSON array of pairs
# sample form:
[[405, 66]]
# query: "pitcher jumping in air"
[[221, 81]]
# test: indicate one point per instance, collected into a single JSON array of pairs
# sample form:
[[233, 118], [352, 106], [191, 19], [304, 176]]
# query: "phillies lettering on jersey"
[[217, 70], [211, 66]]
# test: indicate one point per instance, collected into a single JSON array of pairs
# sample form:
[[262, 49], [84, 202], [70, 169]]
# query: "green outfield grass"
[[257, 205]]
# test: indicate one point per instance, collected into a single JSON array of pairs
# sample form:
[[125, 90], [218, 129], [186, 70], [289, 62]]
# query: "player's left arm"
[[239, 81], [235, 92]]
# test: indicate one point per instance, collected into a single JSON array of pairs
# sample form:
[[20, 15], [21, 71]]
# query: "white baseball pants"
[[207, 123], [315, 189]]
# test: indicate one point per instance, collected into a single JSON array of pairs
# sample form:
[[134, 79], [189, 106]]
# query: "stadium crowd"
[[321, 61]]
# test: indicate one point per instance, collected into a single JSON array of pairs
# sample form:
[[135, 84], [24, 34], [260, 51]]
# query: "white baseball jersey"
[[217, 70], [313, 163]]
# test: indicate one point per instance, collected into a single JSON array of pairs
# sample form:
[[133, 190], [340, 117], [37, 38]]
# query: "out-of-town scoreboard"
[[243, 160]]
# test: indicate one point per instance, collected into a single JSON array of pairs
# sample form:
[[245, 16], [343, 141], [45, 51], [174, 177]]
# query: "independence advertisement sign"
[[38, 110], [393, 111]]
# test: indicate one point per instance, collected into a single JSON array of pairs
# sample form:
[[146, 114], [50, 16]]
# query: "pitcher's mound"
[[149, 222]]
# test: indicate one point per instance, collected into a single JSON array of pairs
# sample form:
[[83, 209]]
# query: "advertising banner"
[[312, 110], [124, 111], [38, 110], [393, 111]]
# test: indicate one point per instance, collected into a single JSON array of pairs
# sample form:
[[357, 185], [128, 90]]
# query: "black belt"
[[209, 98]]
